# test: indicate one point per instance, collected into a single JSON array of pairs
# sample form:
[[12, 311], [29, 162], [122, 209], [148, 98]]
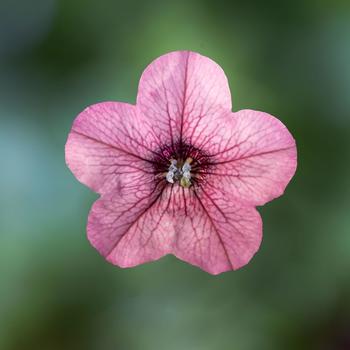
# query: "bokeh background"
[[289, 58]]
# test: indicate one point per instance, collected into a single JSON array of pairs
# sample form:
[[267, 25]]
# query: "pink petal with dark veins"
[[254, 155], [178, 87], [203, 228], [132, 229], [213, 232], [107, 146]]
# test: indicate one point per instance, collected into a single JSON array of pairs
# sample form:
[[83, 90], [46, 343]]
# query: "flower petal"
[[132, 229], [108, 147], [253, 154], [217, 234], [178, 87]]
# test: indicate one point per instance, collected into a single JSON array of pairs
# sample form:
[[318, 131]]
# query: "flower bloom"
[[179, 173]]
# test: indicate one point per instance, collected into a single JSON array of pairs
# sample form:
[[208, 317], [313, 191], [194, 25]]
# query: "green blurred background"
[[291, 59]]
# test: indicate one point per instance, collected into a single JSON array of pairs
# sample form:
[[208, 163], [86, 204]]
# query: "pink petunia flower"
[[179, 172]]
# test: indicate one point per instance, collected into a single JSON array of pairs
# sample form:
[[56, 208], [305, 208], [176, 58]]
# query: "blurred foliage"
[[287, 58]]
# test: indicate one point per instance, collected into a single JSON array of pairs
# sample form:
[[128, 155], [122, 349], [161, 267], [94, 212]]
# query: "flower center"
[[182, 163], [180, 171]]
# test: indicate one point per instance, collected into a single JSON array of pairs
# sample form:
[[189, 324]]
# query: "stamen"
[[173, 166], [171, 171], [186, 174], [170, 177], [186, 168], [179, 171]]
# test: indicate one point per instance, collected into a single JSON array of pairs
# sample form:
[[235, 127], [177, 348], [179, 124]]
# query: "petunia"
[[179, 172]]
